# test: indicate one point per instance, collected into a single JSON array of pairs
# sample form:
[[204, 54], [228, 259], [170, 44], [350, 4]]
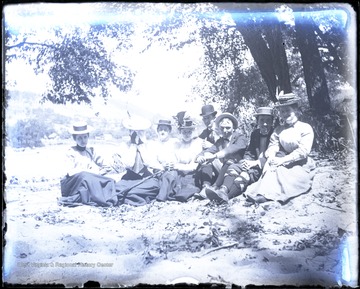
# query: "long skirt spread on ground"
[[284, 182], [175, 186], [137, 192], [88, 188]]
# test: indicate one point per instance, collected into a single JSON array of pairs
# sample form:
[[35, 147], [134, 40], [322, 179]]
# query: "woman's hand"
[[169, 166], [276, 161], [247, 164], [200, 159], [207, 157]]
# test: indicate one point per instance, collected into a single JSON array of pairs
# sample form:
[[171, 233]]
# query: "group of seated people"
[[217, 165]]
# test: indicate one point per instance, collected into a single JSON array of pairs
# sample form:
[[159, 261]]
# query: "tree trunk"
[[268, 53], [316, 86]]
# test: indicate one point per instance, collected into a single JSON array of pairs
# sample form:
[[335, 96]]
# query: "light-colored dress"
[[179, 184], [161, 153], [294, 177], [186, 154], [88, 160]]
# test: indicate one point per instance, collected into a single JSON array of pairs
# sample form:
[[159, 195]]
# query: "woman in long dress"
[[138, 186], [288, 170], [179, 180], [84, 181]]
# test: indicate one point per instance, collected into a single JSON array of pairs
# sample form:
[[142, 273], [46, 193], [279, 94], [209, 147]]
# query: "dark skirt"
[[88, 188], [137, 192], [176, 186]]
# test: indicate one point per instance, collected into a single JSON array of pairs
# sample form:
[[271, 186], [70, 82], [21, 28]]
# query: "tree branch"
[[220, 248], [27, 43]]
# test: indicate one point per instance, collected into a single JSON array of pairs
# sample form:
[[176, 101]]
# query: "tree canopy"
[[238, 52]]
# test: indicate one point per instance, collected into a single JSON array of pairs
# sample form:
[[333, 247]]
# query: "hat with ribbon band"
[[80, 128], [229, 116], [264, 111], [287, 99]]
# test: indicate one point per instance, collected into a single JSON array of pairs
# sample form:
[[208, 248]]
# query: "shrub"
[[332, 134], [28, 133]]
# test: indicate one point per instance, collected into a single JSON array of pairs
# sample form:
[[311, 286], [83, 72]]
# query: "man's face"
[[226, 127], [82, 139], [163, 132], [265, 123], [208, 119]]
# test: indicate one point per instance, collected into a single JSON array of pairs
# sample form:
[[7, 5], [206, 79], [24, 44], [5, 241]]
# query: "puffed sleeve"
[[75, 162], [69, 163], [305, 143]]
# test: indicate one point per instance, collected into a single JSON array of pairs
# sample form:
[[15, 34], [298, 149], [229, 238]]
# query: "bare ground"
[[300, 243]]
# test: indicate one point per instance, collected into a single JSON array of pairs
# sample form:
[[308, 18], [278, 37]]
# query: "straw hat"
[[227, 115], [80, 128], [287, 99], [264, 111]]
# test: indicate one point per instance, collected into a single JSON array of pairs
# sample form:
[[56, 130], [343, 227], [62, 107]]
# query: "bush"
[[332, 134], [28, 133]]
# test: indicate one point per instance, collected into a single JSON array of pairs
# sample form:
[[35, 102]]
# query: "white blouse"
[[295, 141]]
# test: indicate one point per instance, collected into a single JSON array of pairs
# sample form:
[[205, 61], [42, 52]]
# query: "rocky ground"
[[312, 240]]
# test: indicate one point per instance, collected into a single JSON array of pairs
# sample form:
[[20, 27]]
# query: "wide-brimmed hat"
[[264, 111], [80, 128], [287, 99], [135, 122], [187, 123], [227, 115], [208, 109]]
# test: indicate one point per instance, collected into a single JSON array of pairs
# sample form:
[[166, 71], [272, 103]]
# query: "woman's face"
[[81, 139], [186, 134], [265, 123], [163, 132], [287, 113]]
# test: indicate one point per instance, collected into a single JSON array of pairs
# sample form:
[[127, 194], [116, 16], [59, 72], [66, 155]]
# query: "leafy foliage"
[[332, 133], [242, 59], [28, 133], [82, 69]]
